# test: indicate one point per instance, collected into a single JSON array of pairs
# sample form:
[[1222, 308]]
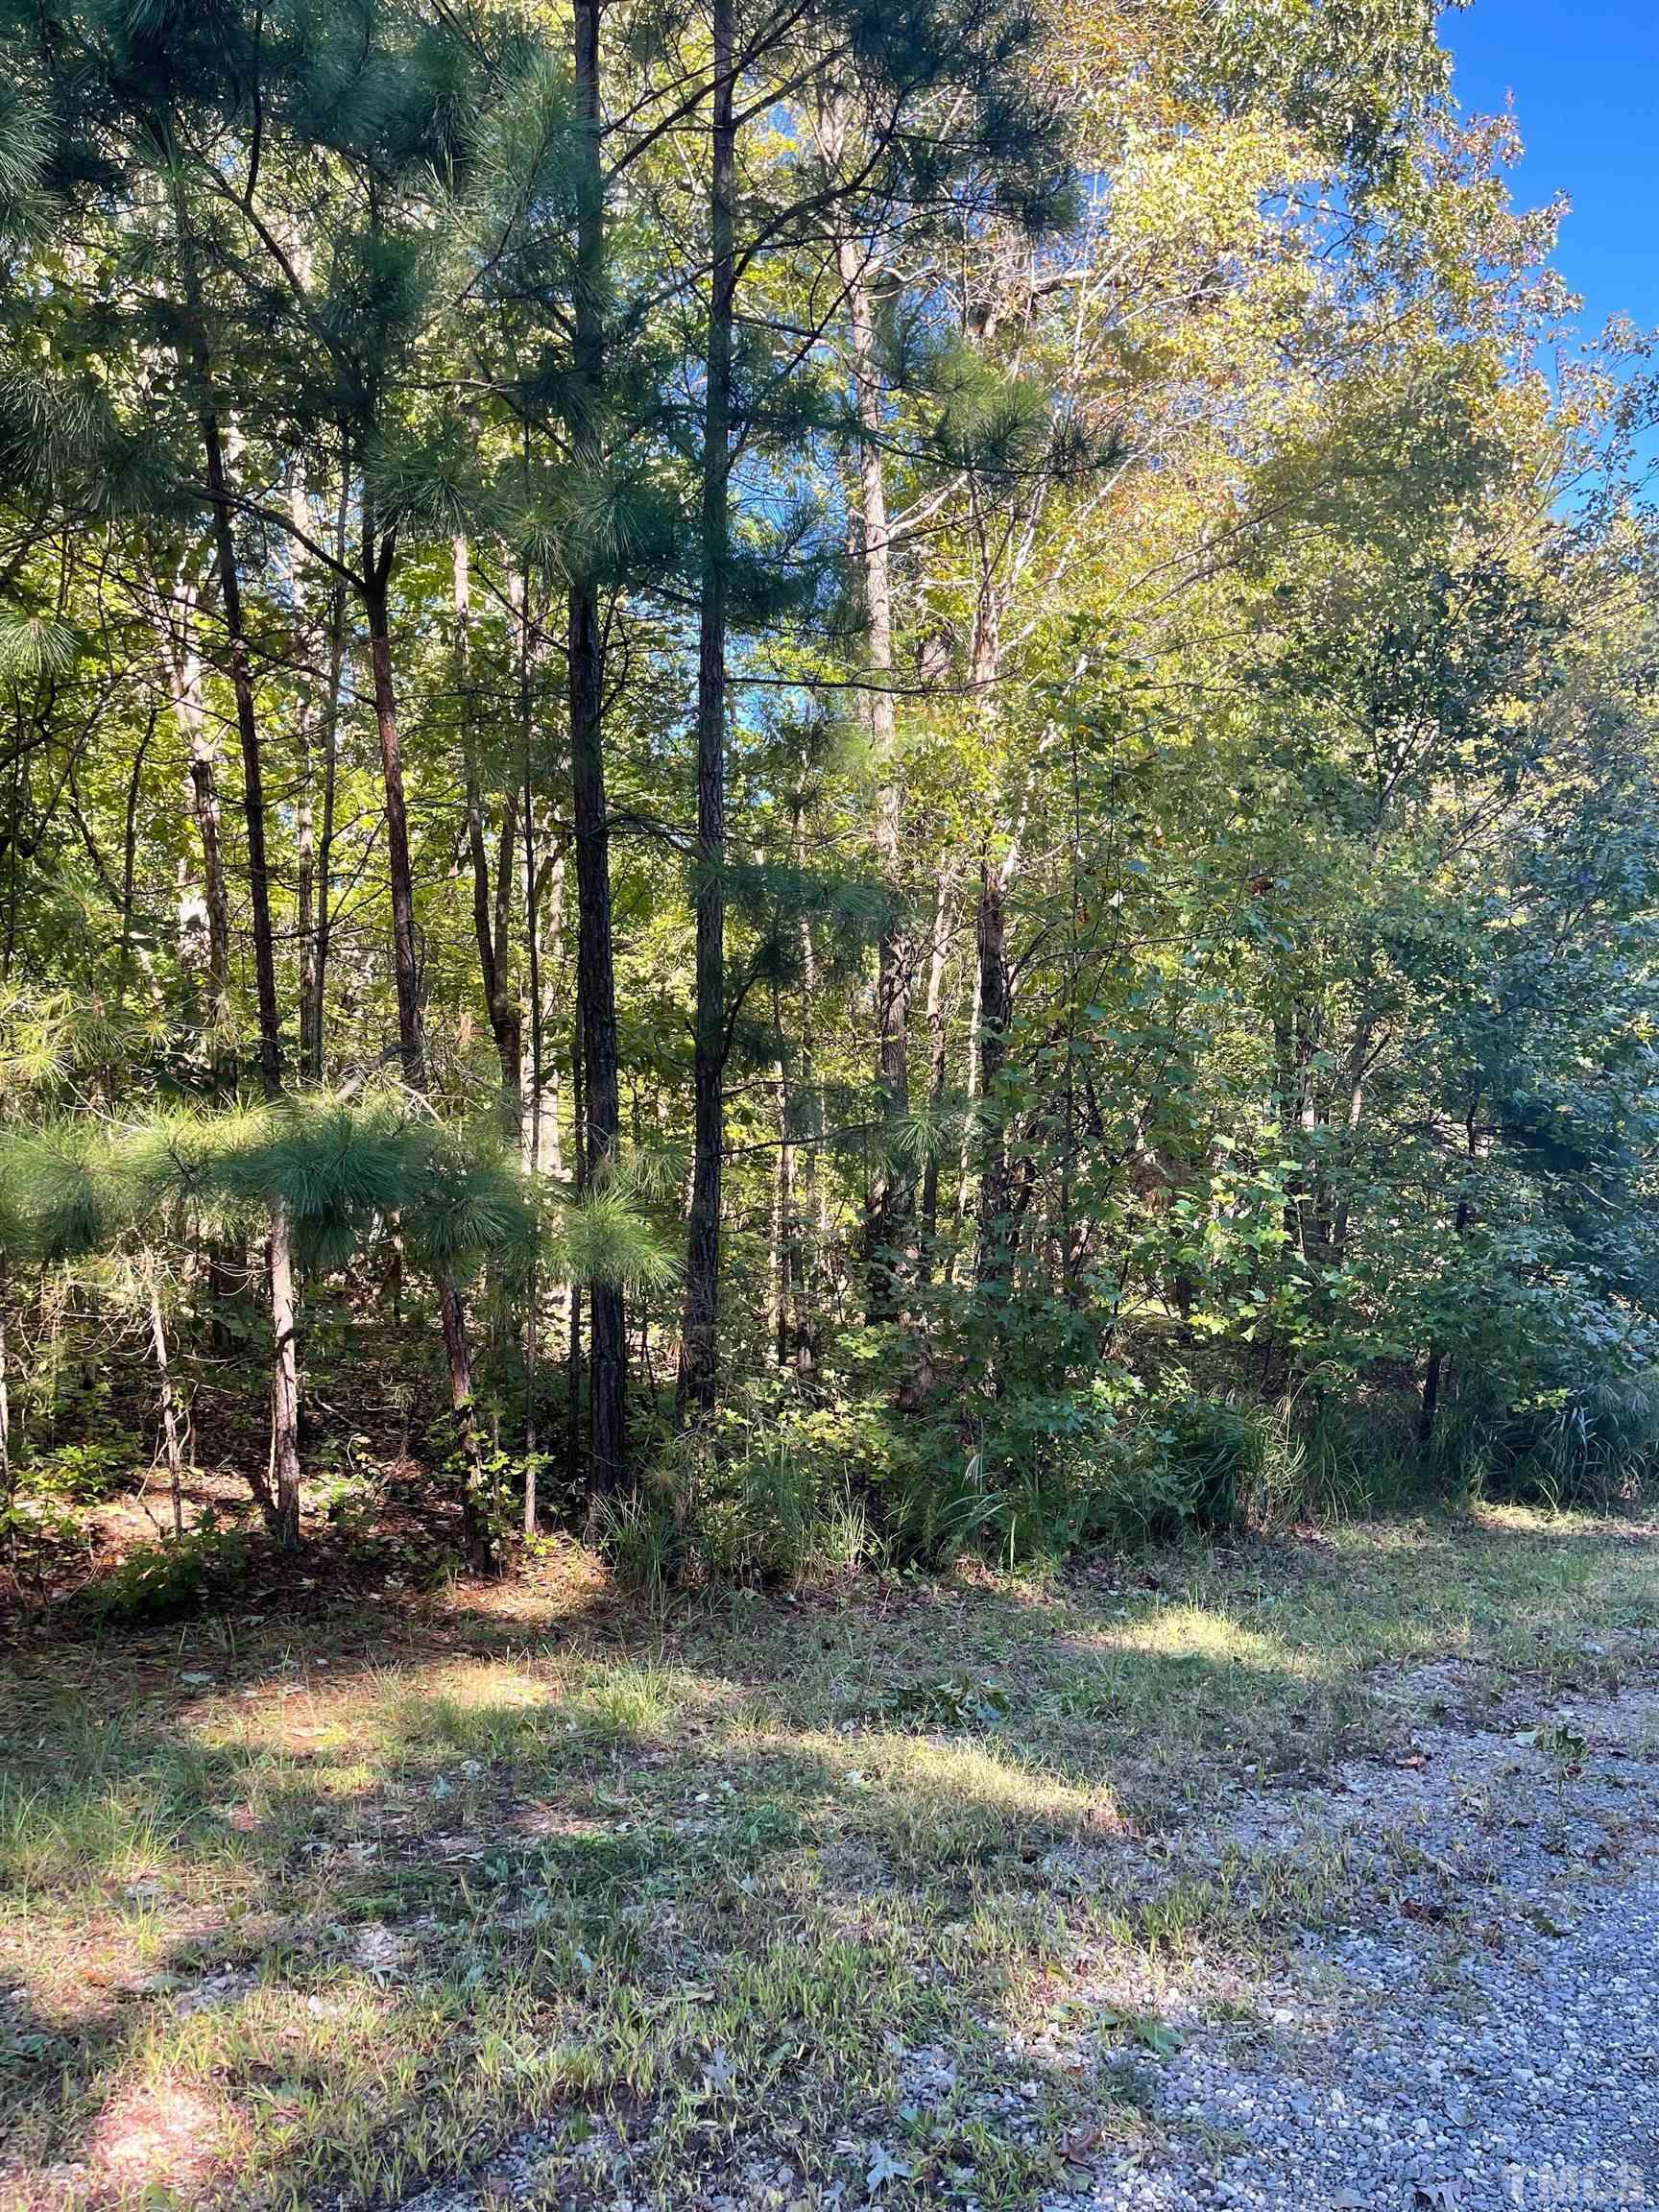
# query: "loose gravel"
[[1485, 2031]]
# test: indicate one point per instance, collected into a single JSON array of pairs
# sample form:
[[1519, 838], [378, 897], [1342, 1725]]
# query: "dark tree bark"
[[379, 553], [996, 1013], [573, 1347], [1434, 1368], [189, 711], [699, 1348], [938, 1064], [491, 903], [405, 964], [279, 1248], [595, 969], [320, 732]]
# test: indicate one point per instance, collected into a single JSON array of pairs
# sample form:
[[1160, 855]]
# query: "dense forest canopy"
[[792, 776]]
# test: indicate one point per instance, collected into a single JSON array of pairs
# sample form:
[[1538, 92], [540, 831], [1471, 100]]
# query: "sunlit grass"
[[346, 1917]]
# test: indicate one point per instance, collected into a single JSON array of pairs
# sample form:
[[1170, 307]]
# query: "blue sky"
[[1585, 78]]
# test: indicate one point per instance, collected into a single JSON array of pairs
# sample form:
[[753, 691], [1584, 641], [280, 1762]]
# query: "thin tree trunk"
[[938, 1061], [814, 1212], [784, 1227], [533, 953], [993, 996], [892, 1194], [996, 1007], [549, 1153], [377, 570], [405, 964], [489, 908], [596, 971], [579, 1153], [285, 1368], [305, 733], [1435, 1369], [129, 846], [170, 1440], [6, 1482], [699, 1345], [189, 712], [314, 953], [972, 1091]]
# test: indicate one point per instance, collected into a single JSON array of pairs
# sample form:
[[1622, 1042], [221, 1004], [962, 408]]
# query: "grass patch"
[[761, 1890]]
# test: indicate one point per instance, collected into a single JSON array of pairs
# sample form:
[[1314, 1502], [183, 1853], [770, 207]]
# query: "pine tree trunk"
[[489, 908], [189, 712], [994, 996], [406, 966], [314, 952], [378, 568], [995, 1009], [530, 1135], [892, 1194], [814, 1236], [783, 1230], [304, 735], [285, 1367], [938, 1064], [573, 1352], [549, 1149], [6, 1482], [595, 971], [699, 1345]]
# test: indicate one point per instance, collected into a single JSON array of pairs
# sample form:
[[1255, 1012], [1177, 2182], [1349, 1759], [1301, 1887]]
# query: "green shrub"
[[158, 1581], [80, 1473], [773, 1489], [1216, 1454], [1595, 1446]]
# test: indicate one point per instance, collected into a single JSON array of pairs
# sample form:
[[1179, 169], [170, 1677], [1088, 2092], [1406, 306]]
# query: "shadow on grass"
[[375, 1899]]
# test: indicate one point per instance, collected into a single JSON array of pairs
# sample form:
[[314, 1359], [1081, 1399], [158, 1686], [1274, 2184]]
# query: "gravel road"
[[1484, 2033]]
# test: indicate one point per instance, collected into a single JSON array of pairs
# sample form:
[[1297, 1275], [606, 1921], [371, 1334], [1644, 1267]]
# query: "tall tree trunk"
[[170, 1439], [813, 1230], [306, 721], [1434, 1368], [573, 1352], [533, 954], [189, 712], [699, 1345], [491, 907], [376, 582], [782, 1272], [995, 993], [548, 1152], [938, 1039], [995, 1009], [5, 1481], [130, 847], [892, 1192], [314, 951], [595, 969], [405, 964], [280, 1249]]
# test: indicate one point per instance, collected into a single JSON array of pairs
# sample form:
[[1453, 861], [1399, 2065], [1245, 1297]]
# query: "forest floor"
[[1318, 1869]]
